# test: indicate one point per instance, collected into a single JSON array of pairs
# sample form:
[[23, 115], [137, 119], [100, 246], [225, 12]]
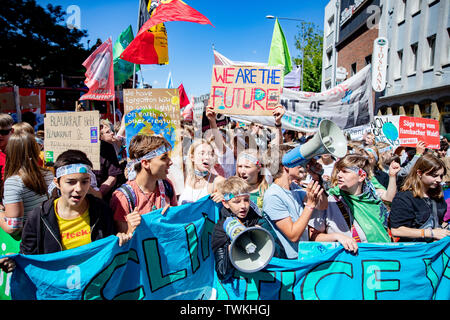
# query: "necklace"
[[195, 198]]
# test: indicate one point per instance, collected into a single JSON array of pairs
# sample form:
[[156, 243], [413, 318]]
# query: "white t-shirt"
[[15, 191]]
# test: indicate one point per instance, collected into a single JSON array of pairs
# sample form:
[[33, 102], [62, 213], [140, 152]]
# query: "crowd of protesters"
[[374, 194]]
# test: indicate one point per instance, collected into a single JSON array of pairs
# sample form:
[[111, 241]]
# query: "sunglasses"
[[5, 132]]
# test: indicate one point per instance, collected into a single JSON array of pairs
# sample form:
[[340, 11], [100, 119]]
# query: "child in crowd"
[[147, 188], [236, 203], [75, 218], [200, 181]]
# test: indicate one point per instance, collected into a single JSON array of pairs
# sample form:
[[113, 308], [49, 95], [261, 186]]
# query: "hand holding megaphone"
[[251, 248], [329, 139]]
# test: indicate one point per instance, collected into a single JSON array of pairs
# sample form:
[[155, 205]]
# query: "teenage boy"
[[236, 203], [147, 188]]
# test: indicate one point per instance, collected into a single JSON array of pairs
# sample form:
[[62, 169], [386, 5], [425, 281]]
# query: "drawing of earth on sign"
[[149, 122]]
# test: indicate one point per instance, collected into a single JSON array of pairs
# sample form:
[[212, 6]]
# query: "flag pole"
[[134, 64]]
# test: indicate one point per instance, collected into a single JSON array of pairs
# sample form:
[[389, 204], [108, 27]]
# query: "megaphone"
[[251, 248], [329, 139]]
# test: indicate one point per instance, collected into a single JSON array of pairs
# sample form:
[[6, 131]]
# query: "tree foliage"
[[309, 42], [36, 45]]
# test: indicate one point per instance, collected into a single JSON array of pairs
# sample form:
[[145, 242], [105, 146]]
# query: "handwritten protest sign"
[[156, 112], [246, 90], [406, 131], [72, 130]]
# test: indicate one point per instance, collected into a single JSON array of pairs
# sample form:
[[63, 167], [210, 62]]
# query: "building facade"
[[418, 72]]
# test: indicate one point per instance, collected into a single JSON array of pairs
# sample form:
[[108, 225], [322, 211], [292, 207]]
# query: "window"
[[401, 11], [413, 60], [415, 6], [353, 69], [368, 60], [331, 25], [329, 56], [431, 50], [448, 45], [398, 65]]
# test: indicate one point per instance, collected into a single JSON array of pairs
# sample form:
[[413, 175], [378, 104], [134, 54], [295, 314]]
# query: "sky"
[[241, 32]]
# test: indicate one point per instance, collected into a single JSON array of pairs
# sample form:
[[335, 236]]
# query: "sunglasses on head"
[[5, 132]]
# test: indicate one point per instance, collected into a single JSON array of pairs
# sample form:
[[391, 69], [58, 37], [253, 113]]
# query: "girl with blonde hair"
[[250, 166], [200, 181], [418, 211]]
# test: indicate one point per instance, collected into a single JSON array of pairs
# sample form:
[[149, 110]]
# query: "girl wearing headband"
[[75, 218], [249, 167], [200, 181], [356, 211], [147, 188]]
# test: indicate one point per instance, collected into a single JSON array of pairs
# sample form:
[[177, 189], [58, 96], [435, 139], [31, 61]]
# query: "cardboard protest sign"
[[246, 90], [156, 112], [72, 130], [406, 131]]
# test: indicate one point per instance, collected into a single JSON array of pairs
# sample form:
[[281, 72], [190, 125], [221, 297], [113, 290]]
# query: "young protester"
[[251, 168], [236, 204], [111, 173], [417, 212], [356, 208], [287, 208], [26, 183], [147, 188], [73, 219], [226, 156], [200, 181]]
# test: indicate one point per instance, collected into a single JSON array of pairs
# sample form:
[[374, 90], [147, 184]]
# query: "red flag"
[[184, 100], [100, 73], [141, 50]]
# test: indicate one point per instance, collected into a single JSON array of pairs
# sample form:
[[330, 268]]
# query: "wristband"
[[278, 125], [422, 231], [308, 206]]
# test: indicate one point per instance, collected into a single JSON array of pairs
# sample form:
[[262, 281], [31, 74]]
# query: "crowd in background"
[[375, 194]]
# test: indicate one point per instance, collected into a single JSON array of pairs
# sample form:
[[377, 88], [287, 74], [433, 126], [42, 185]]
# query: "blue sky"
[[241, 32]]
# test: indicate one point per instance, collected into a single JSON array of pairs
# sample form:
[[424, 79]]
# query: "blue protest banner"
[[170, 257]]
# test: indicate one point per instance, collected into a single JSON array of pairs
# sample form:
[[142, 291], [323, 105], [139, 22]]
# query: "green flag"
[[123, 70], [279, 51]]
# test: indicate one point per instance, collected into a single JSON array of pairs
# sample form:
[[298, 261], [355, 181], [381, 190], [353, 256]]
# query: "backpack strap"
[[168, 189], [128, 191], [347, 218]]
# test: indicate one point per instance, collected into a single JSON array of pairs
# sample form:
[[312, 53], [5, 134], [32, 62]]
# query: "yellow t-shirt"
[[74, 232]]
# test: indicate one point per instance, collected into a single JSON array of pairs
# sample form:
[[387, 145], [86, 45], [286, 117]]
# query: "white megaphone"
[[329, 139], [251, 248]]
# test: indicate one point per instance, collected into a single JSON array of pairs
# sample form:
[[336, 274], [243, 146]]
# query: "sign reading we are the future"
[[246, 90]]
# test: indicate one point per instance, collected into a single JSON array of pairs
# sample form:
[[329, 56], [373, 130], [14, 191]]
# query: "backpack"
[[129, 193]]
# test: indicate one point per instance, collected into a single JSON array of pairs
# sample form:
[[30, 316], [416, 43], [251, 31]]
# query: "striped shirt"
[[15, 191]]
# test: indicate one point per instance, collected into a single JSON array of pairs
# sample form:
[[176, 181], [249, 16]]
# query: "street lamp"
[[303, 51]]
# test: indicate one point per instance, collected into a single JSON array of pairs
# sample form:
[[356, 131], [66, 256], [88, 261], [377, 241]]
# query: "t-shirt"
[[279, 204], [144, 202], [74, 232], [15, 191], [408, 211]]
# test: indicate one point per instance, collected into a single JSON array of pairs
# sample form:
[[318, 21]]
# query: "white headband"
[[151, 155]]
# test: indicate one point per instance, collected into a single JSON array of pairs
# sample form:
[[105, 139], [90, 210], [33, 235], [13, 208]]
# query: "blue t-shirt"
[[280, 203]]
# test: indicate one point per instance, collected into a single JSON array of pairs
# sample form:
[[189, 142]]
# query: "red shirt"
[[144, 202]]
